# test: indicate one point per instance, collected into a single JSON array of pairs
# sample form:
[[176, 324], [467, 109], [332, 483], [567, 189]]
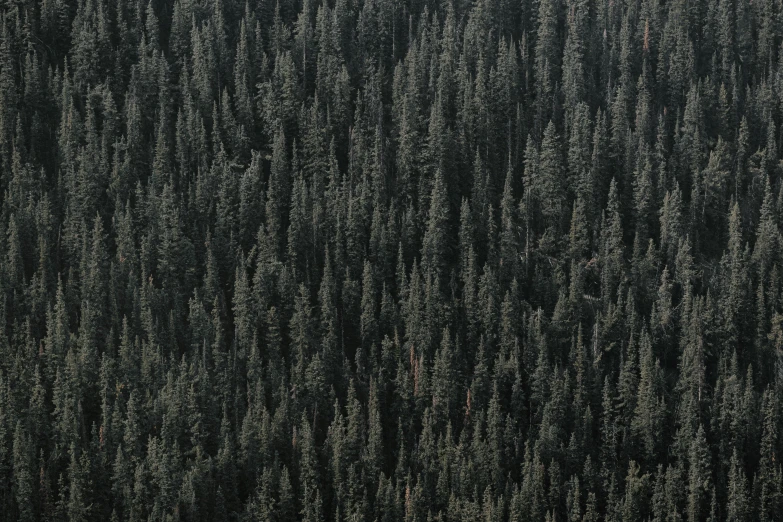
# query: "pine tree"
[[436, 245], [547, 57], [737, 504], [551, 180], [699, 477], [612, 249]]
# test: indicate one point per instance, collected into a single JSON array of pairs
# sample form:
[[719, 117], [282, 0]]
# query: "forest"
[[391, 260]]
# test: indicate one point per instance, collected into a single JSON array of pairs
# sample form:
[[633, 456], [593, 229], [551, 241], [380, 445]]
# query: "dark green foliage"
[[422, 261]]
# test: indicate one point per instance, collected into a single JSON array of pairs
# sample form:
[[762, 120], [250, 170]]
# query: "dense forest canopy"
[[391, 260]]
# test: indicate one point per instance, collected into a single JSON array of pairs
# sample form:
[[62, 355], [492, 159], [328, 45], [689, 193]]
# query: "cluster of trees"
[[421, 260]]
